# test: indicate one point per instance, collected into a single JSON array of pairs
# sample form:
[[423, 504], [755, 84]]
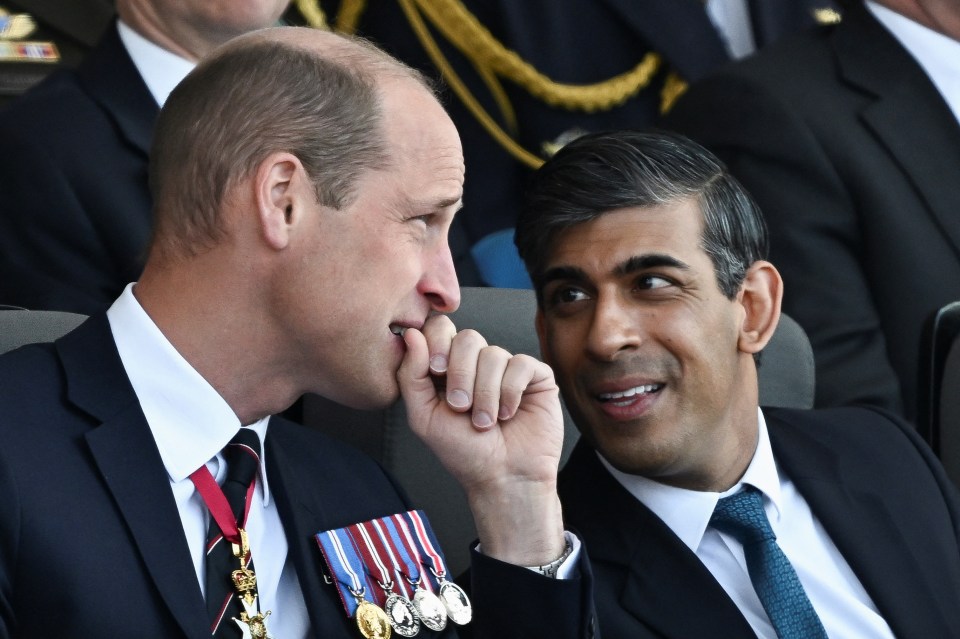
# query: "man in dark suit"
[[628, 60], [849, 139], [75, 212], [654, 300], [304, 184]]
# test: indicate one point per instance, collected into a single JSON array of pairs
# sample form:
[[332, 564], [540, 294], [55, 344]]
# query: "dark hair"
[[602, 172], [250, 100]]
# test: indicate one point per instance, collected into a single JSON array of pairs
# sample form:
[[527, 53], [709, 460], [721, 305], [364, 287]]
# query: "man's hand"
[[494, 421]]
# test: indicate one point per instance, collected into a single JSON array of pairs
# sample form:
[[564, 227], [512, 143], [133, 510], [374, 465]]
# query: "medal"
[[454, 599], [432, 612], [252, 624], [371, 620], [400, 612]]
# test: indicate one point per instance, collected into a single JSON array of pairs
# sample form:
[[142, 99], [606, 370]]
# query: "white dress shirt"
[[939, 55], [160, 69], [844, 607], [731, 18], [191, 423]]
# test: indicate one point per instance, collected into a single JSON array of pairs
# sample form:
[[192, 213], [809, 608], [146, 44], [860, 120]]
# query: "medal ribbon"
[[217, 504], [402, 545], [375, 530], [372, 562], [341, 556], [422, 539]]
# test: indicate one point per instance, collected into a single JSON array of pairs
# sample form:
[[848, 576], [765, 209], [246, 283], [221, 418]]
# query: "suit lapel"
[[693, 50], [874, 540], [124, 450], [109, 76], [300, 511], [908, 115], [661, 575]]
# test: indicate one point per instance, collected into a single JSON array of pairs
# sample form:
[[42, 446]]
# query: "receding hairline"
[[357, 54]]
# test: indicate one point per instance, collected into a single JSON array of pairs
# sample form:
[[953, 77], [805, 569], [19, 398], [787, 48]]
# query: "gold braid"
[[493, 60]]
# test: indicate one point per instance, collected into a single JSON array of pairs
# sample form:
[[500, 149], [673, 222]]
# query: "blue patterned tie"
[[778, 587]]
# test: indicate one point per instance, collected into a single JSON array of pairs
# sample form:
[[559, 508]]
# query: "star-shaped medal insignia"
[[252, 624]]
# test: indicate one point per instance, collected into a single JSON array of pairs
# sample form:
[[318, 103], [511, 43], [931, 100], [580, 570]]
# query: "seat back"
[[505, 318], [938, 414], [19, 326]]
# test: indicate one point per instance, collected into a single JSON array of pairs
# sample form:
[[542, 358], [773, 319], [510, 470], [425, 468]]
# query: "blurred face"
[[645, 347], [191, 28], [382, 263]]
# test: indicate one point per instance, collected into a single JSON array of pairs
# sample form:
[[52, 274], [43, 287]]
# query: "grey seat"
[[505, 317], [938, 415], [19, 327]]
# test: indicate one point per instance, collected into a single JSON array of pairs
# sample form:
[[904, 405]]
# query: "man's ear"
[[760, 295], [280, 182]]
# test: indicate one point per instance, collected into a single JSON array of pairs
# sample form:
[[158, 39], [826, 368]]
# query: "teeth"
[[630, 392], [398, 330]]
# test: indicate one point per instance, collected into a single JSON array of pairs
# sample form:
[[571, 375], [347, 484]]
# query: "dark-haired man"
[[304, 186], [703, 515]]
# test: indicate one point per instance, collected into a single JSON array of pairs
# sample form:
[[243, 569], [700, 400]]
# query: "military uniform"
[[514, 58], [39, 36]]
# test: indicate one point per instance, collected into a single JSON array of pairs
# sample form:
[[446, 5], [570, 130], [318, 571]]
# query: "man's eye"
[[653, 281], [568, 295]]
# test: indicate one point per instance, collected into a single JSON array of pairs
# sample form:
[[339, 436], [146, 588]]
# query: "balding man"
[[304, 185]]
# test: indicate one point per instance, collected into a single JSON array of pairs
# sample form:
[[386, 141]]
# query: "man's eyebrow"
[[628, 266], [652, 260], [562, 273], [423, 204]]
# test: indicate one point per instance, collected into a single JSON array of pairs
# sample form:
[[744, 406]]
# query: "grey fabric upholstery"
[[938, 414], [19, 327], [505, 317]]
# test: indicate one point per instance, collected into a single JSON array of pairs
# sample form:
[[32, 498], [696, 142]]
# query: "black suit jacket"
[[75, 210], [91, 541], [876, 488], [569, 41], [853, 156]]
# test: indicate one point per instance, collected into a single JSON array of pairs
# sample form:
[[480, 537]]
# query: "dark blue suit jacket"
[[873, 484], [91, 542]]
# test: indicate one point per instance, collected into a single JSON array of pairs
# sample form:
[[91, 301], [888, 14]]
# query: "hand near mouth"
[[497, 426]]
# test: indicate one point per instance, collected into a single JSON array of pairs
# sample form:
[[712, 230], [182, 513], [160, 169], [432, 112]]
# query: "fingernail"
[[438, 364], [504, 412], [481, 419], [458, 399]]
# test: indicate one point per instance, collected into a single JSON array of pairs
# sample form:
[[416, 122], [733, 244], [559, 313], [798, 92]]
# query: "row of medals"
[[405, 617]]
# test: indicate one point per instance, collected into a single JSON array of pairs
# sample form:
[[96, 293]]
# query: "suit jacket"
[[75, 210], [569, 41], [873, 484], [852, 155], [91, 540]]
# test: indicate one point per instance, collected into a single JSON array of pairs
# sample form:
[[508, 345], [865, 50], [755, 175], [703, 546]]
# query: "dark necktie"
[[242, 455], [778, 587]]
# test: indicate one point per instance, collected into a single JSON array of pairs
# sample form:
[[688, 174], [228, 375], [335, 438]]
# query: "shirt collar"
[[687, 512], [160, 69], [191, 423], [938, 54]]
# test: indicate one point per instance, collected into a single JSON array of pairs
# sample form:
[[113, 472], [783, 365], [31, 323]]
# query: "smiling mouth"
[[625, 397]]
